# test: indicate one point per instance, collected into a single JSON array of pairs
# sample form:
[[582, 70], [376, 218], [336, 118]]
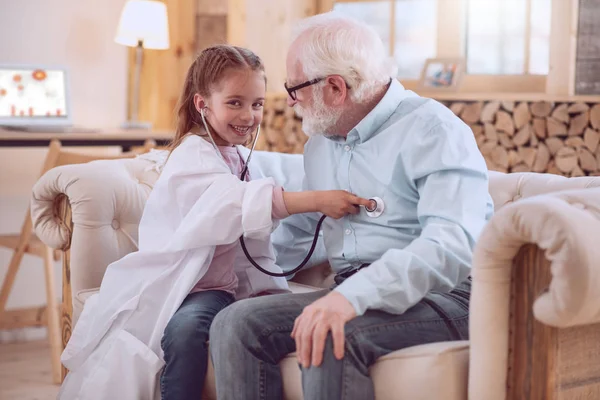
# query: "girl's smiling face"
[[235, 106]]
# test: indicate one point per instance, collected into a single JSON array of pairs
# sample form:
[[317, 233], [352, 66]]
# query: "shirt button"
[[347, 148], [348, 231]]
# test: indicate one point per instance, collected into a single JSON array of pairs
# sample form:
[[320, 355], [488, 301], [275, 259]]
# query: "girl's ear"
[[199, 102]]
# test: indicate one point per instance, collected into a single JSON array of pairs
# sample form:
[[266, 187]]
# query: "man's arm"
[[450, 176]]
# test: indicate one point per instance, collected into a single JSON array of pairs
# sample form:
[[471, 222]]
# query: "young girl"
[[163, 297], [222, 105]]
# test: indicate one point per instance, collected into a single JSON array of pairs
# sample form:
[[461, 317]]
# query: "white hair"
[[334, 44]]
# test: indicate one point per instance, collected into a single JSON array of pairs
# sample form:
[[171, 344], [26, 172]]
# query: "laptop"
[[35, 98]]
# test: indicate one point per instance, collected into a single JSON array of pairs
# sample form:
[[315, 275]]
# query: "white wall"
[[78, 34]]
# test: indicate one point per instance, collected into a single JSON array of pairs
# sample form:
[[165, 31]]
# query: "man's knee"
[[329, 360], [354, 350], [235, 322]]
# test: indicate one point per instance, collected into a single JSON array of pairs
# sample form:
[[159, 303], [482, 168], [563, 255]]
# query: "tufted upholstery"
[[107, 199]]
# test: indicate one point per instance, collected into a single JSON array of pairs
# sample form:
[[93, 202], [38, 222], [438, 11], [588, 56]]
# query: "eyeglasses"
[[292, 91]]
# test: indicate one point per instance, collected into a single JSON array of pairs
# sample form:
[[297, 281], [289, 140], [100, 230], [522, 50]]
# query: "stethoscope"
[[374, 212]]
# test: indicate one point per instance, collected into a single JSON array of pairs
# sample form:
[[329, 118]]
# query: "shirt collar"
[[371, 123]]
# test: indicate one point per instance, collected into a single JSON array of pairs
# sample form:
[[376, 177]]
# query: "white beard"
[[320, 119]]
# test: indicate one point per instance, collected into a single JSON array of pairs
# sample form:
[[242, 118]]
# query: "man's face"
[[318, 118]]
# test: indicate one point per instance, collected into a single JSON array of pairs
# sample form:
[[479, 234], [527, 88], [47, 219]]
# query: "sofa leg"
[[66, 307], [53, 316], [64, 214]]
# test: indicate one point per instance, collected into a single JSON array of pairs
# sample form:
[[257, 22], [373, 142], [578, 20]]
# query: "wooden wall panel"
[[268, 26], [587, 74], [262, 26], [163, 71], [236, 22], [210, 30], [212, 7], [211, 23]]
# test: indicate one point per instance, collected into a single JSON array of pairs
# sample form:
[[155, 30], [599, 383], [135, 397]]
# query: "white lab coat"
[[196, 204]]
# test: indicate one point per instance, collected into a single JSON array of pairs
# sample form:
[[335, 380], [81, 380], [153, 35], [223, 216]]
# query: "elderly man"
[[402, 277]]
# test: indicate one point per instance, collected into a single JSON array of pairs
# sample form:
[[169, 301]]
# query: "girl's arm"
[[333, 203]]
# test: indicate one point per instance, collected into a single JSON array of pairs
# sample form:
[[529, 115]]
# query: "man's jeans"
[[249, 338], [185, 344]]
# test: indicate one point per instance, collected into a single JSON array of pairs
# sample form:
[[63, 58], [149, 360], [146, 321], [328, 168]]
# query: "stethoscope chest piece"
[[377, 210]]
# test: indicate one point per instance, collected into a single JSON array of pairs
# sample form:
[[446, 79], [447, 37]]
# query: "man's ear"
[[199, 102], [337, 89]]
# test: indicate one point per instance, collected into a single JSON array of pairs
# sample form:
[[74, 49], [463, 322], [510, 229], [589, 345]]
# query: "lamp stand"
[[133, 122]]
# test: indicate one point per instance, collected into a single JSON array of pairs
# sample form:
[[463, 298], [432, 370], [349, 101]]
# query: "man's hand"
[[329, 313]]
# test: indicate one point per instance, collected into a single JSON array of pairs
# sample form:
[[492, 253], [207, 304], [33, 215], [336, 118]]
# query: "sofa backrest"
[[107, 198]]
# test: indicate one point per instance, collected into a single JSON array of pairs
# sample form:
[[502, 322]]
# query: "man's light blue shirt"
[[424, 163]]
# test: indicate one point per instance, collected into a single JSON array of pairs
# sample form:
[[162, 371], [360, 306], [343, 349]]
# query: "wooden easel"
[[26, 242]]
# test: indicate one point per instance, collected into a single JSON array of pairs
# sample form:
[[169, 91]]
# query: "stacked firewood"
[[558, 138], [281, 129]]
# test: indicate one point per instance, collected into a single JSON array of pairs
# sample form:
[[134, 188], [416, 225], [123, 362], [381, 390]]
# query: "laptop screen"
[[30, 94]]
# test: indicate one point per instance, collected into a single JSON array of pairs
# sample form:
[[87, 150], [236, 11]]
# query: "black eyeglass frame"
[[292, 91]]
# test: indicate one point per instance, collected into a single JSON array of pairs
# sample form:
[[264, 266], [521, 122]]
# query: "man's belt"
[[341, 277]]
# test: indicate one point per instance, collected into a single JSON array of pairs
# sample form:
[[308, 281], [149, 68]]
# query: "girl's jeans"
[[185, 344]]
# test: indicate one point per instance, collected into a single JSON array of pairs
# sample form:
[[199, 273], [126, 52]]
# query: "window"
[[415, 35], [407, 27], [508, 37], [496, 37]]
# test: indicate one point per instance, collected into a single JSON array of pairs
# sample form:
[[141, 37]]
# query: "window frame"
[[451, 41]]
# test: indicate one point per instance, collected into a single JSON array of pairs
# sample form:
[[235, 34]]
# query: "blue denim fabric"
[[185, 344], [249, 338]]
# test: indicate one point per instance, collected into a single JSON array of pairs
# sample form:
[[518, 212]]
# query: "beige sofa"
[[535, 306]]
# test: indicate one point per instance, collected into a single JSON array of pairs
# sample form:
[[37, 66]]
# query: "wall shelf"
[[474, 96]]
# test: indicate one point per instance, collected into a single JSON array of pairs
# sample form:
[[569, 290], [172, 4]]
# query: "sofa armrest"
[[107, 198], [91, 212], [535, 309]]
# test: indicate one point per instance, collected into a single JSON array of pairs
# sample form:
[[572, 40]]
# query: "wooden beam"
[[32, 317], [527, 47], [563, 48], [451, 28], [212, 7], [323, 6]]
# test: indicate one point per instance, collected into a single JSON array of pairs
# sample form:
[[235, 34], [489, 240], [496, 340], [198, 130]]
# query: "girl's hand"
[[338, 203]]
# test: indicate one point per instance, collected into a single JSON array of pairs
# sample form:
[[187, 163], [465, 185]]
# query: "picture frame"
[[441, 74]]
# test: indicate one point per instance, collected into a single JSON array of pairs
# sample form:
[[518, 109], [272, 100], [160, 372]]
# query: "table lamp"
[[143, 25]]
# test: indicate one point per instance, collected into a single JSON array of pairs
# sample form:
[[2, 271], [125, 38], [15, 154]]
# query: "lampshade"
[[144, 20]]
